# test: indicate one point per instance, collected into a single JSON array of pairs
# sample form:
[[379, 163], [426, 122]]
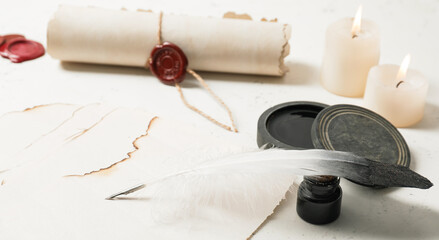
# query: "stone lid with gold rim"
[[363, 132]]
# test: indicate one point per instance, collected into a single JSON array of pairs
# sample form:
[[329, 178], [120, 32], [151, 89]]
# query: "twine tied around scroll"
[[231, 128]]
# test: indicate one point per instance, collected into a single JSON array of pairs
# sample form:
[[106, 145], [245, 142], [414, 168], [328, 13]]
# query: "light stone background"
[[406, 27]]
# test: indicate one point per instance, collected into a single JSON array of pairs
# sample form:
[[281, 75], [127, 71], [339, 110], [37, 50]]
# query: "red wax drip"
[[18, 49], [4, 40]]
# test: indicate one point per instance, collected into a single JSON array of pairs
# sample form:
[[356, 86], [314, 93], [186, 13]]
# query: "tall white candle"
[[397, 95], [352, 48]]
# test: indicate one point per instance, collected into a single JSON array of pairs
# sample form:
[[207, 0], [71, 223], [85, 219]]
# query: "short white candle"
[[352, 48], [397, 95]]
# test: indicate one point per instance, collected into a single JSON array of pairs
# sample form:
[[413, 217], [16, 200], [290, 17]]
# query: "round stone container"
[[288, 125], [349, 128]]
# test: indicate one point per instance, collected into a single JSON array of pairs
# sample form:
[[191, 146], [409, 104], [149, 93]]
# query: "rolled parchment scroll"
[[117, 37]]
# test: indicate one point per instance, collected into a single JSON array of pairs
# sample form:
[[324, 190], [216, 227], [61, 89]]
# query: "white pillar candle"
[[352, 48], [399, 96]]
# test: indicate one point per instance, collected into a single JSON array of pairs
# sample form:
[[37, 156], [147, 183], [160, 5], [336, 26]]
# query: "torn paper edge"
[[47, 133], [34, 108], [82, 132], [286, 30], [292, 188], [136, 148], [267, 218], [233, 15], [55, 128], [285, 50]]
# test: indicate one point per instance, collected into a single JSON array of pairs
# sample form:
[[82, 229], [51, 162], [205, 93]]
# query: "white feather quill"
[[229, 183]]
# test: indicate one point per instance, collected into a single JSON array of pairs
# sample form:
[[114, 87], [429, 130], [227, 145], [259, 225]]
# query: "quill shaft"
[[305, 162]]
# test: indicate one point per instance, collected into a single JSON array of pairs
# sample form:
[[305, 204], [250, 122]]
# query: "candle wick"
[[354, 36], [399, 83]]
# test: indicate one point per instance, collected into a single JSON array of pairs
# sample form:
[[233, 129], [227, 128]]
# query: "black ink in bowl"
[[288, 125]]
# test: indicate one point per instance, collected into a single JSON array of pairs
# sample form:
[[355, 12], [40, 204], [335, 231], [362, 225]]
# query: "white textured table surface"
[[406, 27]]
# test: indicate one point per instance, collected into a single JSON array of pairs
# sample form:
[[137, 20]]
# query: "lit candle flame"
[[356, 26], [400, 77]]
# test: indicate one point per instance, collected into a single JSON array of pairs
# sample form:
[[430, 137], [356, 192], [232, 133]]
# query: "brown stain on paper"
[[36, 107], [144, 10], [244, 16], [108, 169], [233, 15], [32, 108], [271, 20]]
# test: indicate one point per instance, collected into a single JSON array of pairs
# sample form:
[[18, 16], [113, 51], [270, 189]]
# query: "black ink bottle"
[[319, 199]]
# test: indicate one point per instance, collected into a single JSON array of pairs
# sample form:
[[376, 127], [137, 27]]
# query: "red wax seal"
[[4, 40], [168, 63], [21, 49]]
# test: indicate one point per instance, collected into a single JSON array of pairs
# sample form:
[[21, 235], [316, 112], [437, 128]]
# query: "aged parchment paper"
[[118, 37], [89, 152]]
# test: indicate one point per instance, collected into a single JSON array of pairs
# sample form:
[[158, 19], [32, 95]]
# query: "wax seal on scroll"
[[168, 63]]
